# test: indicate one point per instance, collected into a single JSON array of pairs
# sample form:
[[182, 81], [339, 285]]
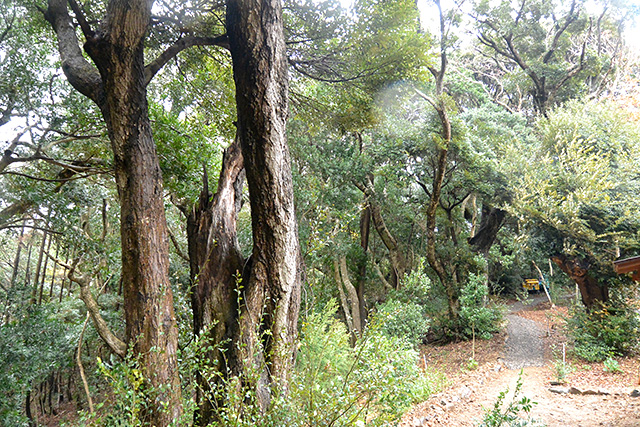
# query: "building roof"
[[629, 265]]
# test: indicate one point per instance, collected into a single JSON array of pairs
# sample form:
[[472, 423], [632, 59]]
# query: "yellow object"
[[531, 285]]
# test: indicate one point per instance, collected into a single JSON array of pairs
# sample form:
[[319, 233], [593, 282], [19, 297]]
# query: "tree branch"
[[84, 281], [72, 178], [182, 44], [83, 76], [84, 25], [571, 16], [176, 245]]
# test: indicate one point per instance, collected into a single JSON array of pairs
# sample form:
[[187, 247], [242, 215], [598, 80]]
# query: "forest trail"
[[527, 345], [524, 344]]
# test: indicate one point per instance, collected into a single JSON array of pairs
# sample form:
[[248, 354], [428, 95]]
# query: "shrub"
[[405, 313], [562, 369], [335, 384], [602, 332], [612, 365], [402, 320], [509, 415], [475, 315]]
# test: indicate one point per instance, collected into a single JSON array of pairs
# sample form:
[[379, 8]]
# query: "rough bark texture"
[[590, 290], [490, 223], [216, 263], [271, 296], [118, 86]]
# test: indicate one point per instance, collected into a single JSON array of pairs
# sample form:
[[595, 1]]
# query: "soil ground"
[[472, 390]]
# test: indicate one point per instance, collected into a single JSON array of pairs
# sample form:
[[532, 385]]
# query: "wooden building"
[[629, 265]]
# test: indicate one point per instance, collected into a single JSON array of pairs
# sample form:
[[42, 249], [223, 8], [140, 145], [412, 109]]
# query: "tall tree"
[[271, 297], [117, 84], [550, 44]]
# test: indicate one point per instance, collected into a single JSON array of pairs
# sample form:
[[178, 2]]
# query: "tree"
[[578, 55], [117, 85], [576, 194], [337, 145], [271, 294]]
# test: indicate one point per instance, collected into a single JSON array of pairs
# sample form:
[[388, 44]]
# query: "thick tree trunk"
[[490, 223], [591, 291], [118, 87], [216, 265], [148, 301], [271, 296]]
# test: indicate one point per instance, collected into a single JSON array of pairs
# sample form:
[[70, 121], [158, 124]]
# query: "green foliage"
[[34, 342], [475, 315], [335, 384], [612, 365], [603, 332], [402, 320], [561, 370], [472, 364], [517, 37], [126, 382], [575, 192], [509, 415], [405, 314], [332, 383]]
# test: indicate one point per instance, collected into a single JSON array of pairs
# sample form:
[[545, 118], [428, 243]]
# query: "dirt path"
[[526, 347]]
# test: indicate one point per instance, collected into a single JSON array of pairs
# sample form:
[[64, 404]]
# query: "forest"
[[262, 212]]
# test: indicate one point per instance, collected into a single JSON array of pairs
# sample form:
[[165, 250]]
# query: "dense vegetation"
[[436, 160]]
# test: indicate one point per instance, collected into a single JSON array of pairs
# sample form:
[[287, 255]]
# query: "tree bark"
[[348, 318], [44, 268], [577, 269], [14, 276], [53, 273], [85, 384], [271, 297], [449, 281], [216, 266], [349, 300], [491, 222], [36, 281], [16, 209], [118, 87], [365, 231]]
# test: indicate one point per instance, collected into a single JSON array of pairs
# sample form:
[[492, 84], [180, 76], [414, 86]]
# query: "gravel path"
[[524, 345]]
